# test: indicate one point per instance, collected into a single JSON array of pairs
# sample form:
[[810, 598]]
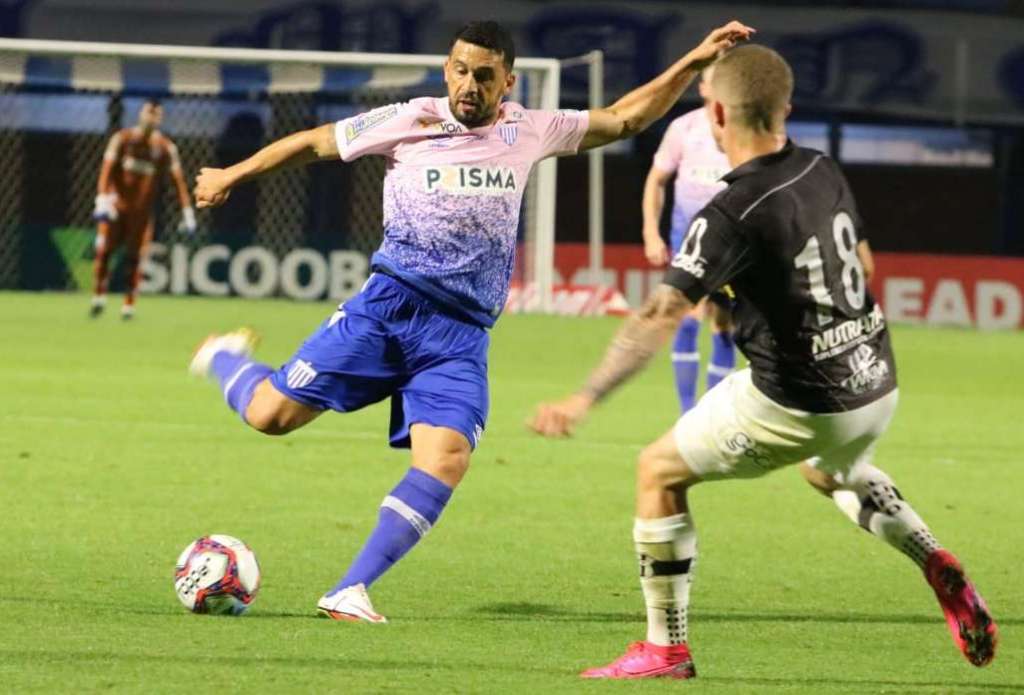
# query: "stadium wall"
[[938, 290], [981, 292], [959, 66]]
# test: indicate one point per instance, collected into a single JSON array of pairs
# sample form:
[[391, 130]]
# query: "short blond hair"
[[756, 84]]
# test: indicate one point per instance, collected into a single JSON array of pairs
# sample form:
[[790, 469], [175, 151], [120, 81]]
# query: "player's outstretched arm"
[[638, 109], [633, 346], [214, 185]]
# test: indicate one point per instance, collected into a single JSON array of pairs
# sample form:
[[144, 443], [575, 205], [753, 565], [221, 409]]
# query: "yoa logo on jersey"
[[441, 128], [470, 180], [867, 371]]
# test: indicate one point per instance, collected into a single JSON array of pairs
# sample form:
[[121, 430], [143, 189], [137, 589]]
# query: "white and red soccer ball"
[[217, 574]]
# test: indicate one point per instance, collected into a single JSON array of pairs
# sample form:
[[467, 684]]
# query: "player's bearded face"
[[477, 80]]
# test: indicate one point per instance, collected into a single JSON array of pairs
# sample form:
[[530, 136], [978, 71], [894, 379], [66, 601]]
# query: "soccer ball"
[[217, 574]]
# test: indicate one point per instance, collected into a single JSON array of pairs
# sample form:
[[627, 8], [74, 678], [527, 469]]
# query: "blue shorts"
[[677, 233], [389, 340]]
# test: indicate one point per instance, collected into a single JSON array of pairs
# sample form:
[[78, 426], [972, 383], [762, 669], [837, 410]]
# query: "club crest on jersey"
[[466, 180], [509, 133], [358, 125]]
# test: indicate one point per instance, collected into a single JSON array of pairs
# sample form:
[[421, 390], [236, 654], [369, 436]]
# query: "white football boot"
[[352, 604], [239, 342]]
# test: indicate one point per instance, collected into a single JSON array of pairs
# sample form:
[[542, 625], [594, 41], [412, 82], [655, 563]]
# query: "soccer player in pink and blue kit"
[[689, 153], [417, 333]]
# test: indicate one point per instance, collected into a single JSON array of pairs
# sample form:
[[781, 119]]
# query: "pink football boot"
[[646, 660], [973, 629]]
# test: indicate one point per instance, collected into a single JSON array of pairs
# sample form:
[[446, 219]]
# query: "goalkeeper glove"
[[188, 220], [106, 208]]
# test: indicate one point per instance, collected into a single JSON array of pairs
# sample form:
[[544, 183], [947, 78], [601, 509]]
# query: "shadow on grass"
[[870, 684], [542, 611], [344, 664]]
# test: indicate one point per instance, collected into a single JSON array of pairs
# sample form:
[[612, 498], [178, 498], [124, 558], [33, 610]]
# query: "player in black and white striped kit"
[[821, 386]]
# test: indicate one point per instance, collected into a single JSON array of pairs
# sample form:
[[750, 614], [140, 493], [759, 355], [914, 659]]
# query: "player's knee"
[[270, 418], [448, 466], [267, 422], [653, 470]]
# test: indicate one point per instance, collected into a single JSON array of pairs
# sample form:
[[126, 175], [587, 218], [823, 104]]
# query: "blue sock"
[[723, 357], [686, 362], [405, 516], [238, 376]]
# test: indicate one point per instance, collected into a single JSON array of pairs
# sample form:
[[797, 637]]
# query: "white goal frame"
[[389, 69]]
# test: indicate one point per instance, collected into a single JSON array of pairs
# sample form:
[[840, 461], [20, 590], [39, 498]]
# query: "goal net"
[[306, 233]]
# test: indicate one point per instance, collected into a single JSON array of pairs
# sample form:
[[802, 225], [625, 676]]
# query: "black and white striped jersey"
[[784, 237]]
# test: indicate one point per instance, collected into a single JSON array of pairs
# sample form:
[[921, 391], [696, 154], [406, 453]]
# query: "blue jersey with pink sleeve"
[[452, 194]]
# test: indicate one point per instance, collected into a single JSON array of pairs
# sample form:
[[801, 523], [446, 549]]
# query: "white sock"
[[666, 549], [99, 300], [872, 501]]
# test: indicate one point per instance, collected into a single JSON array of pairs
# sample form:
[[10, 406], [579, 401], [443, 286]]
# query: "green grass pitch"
[[112, 460]]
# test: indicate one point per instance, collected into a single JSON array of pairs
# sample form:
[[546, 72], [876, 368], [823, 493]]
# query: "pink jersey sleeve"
[[560, 132], [670, 151], [374, 132]]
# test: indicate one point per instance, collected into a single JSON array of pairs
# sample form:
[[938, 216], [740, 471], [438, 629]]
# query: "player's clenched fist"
[[213, 186], [559, 419]]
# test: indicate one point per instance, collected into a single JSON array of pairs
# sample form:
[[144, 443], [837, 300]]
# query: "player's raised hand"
[[721, 39], [213, 186], [560, 418]]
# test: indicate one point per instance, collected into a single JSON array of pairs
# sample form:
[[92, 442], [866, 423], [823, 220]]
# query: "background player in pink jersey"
[[689, 154], [417, 332], [135, 161]]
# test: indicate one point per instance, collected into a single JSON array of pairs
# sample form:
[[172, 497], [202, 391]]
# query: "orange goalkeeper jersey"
[[138, 163]]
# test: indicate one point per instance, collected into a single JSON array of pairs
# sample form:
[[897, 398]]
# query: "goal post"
[[61, 100]]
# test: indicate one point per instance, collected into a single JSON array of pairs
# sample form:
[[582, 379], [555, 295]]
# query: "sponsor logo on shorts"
[[743, 444], [465, 180], [358, 125], [478, 434], [300, 375], [849, 334], [867, 371]]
